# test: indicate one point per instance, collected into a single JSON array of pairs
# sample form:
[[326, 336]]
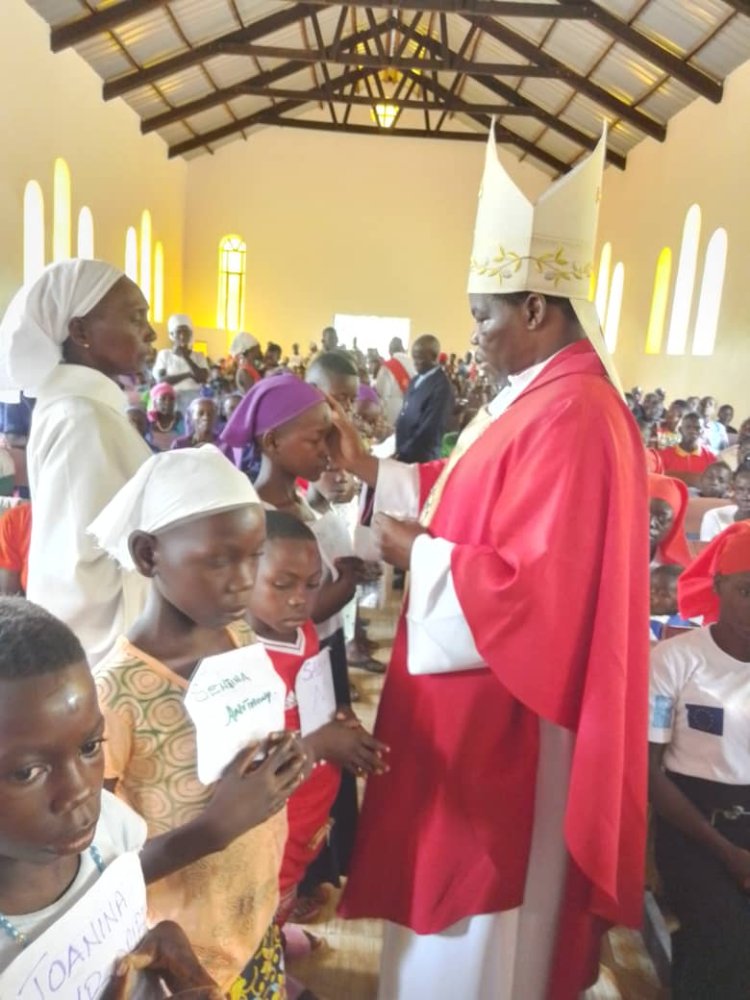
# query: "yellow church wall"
[[338, 224], [51, 107], [704, 160]]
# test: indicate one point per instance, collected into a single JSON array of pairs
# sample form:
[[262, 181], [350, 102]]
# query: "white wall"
[[338, 223], [705, 159], [51, 106]]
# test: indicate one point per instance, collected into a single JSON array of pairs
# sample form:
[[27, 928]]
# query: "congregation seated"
[[202, 420], [665, 616]]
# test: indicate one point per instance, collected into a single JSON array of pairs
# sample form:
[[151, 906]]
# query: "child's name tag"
[[316, 700], [234, 699], [75, 958]]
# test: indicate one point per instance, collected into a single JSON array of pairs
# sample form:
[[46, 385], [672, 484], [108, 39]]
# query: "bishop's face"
[[498, 332]]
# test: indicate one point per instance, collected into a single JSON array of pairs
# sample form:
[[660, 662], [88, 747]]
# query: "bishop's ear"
[[143, 548], [535, 310]]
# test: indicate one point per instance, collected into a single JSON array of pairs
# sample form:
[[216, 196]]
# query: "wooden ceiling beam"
[[454, 63], [323, 95], [656, 54], [506, 92], [261, 81], [603, 97], [741, 6], [502, 134], [405, 133], [165, 67], [83, 28], [258, 117], [486, 8]]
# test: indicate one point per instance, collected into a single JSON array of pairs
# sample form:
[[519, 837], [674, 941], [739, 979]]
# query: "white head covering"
[[169, 488], [175, 321], [241, 343], [35, 324], [546, 247]]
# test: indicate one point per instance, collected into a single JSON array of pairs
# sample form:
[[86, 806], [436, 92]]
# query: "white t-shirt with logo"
[[699, 704]]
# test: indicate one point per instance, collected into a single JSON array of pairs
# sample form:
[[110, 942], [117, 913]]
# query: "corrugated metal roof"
[[707, 35]]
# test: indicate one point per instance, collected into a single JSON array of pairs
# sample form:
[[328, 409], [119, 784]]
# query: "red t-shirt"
[[674, 459], [15, 538], [309, 807]]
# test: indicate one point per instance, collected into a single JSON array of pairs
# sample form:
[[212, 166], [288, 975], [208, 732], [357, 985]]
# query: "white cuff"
[[397, 489], [439, 637]]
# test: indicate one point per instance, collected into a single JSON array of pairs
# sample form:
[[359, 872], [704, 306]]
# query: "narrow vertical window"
[[145, 255], [709, 303], [157, 305], [231, 298], [602, 282], [61, 238], [131, 254], [682, 301], [659, 302], [33, 231], [614, 307], [85, 241]]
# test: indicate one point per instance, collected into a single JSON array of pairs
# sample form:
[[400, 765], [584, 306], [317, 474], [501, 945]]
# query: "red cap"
[[727, 554]]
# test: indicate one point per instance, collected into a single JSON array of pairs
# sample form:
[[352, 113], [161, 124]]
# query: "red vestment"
[[549, 515]]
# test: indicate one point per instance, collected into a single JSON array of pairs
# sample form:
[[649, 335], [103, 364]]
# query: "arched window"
[[682, 301], [85, 242], [33, 231], [131, 254], [602, 281], [157, 305], [709, 303], [145, 279], [614, 307], [61, 237], [231, 300], [659, 302]]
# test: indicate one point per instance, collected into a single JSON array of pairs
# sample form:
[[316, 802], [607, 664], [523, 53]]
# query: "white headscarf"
[[169, 488], [241, 343], [175, 321], [35, 324]]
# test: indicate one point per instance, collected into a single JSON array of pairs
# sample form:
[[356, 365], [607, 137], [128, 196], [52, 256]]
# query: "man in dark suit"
[[427, 405]]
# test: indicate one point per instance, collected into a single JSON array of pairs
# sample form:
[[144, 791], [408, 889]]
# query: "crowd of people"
[[186, 565]]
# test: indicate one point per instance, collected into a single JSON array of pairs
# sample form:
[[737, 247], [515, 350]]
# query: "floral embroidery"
[[553, 266]]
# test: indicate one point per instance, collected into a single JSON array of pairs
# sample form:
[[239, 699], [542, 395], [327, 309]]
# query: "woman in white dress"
[[66, 339]]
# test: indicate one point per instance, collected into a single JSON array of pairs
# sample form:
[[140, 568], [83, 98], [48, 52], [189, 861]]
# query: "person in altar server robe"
[[509, 832]]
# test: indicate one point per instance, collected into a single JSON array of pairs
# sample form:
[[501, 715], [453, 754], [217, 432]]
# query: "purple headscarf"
[[269, 404], [366, 394]]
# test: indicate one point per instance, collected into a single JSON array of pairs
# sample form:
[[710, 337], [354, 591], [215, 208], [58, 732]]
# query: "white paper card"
[[234, 699], [316, 700], [75, 958]]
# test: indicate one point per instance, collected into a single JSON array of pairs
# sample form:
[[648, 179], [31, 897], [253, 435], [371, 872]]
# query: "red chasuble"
[[549, 515]]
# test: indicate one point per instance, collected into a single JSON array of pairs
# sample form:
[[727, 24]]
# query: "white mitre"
[[547, 247]]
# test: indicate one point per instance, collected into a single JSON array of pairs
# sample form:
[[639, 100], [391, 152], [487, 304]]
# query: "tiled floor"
[[347, 969]]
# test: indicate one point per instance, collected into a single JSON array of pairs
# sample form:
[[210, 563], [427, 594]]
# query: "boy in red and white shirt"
[[288, 579]]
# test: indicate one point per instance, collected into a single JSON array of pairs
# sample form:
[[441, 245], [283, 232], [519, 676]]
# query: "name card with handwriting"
[[234, 699], [74, 958], [314, 690]]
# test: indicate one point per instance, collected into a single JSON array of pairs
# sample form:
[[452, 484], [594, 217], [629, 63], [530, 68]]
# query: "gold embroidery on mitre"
[[553, 266]]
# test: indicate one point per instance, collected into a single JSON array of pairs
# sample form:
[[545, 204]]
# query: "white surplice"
[[82, 449]]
